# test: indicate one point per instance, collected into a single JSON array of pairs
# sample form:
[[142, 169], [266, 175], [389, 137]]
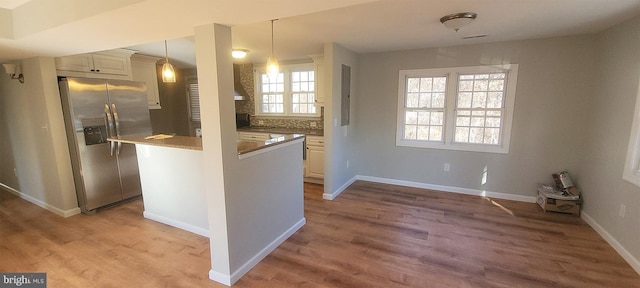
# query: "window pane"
[[411, 117], [439, 84], [476, 135], [438, 100], [437, 118], [494, 100], [423, 118], [462, 135], [477, 121], [413, 99], [425, 100], [426, 84], [435, 133], [479, 100], [463, 121], [413, 85], [464, 100], [493, 122], [496, 85], [423, 133], [410, 132]]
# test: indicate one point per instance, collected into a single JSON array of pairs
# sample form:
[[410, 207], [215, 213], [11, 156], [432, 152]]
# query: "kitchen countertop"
[[183, 142], [195, 143], [310, 132], [246, 146]]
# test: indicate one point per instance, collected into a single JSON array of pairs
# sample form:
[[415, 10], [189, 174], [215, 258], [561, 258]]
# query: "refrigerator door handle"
[[110, 132], [116, 119]]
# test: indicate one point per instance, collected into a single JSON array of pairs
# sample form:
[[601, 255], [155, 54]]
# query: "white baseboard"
[[55, 210], [335, 194], [635, 263], [178, 224], [236, 275], [498, 195]]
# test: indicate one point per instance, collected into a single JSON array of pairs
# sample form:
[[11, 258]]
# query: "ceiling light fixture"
[[168, 73], [458, 20], [273, 69], [11, 71], [239, 53]]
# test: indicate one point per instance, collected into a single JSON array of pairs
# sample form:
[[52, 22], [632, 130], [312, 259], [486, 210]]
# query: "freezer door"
[[99, 170], [128, 99]]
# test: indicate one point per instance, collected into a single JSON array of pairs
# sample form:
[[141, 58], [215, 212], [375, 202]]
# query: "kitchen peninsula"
[[171, 173]]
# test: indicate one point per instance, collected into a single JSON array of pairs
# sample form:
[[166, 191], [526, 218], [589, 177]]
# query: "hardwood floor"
[[373, 235]]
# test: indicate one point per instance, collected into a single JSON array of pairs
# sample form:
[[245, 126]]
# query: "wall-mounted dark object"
[[345, 95]]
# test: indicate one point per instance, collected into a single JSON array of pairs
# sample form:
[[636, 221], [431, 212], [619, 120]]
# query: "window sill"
[[454, 147]]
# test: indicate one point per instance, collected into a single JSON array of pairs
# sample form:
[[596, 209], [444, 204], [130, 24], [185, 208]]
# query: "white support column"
[[213, 54]]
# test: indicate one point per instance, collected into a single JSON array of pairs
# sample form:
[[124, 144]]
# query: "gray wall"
[[174, 115], [609, 126], [34, 140], [555, 81], [340, 141]]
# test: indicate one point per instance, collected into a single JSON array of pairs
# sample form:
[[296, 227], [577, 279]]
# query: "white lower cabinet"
[[314, 166]]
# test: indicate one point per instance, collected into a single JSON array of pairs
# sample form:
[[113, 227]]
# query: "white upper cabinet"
[[115, 64], [320, 79], [143, 68]]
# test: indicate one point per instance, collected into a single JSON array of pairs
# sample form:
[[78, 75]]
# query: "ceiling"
[[363, 26]]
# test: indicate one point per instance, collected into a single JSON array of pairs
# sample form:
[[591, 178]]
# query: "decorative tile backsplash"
[[248, 106]]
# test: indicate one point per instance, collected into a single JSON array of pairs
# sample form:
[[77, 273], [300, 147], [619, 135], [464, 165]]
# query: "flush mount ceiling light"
[[11, 71], [273, 69], [239, 53], [168, 73], [458, 20]]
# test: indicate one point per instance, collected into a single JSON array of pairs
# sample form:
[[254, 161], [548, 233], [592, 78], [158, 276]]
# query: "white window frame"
[[451, 95], [286, 70], [631, 170]]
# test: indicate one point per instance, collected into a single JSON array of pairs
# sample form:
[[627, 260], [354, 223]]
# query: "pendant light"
[[168, 73], [273, 69]]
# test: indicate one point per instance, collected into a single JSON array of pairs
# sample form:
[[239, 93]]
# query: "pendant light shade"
[[168, 73], [273, 69]]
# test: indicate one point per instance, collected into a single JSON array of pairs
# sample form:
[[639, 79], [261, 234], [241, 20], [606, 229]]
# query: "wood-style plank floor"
[[373, 235]]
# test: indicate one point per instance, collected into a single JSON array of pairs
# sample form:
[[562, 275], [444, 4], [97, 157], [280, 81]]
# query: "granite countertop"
[[246, 146], [310, 132], [195, 143], [183, 142]]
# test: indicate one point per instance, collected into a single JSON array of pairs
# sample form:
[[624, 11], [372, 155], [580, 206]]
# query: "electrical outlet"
[[312, 124], [623, 210], [15, 171], [260, 122], [447, 167], [347, 163]]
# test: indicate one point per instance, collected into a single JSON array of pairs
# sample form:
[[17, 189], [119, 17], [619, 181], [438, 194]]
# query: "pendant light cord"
[[166, 53], [272, 36]]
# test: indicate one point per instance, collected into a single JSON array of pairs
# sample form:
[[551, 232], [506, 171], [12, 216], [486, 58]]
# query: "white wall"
[[340, 141], [35, 139], [609, 126], [255, 203], [555, 85]]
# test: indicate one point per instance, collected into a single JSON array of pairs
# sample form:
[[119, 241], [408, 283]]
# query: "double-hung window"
[[290, 93], [462, 108]]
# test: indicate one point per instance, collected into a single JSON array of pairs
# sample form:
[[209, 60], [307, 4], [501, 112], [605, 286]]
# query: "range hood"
[[238, 90]]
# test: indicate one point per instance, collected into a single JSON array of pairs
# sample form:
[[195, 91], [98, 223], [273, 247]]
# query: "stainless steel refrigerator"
[[95, 109]]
